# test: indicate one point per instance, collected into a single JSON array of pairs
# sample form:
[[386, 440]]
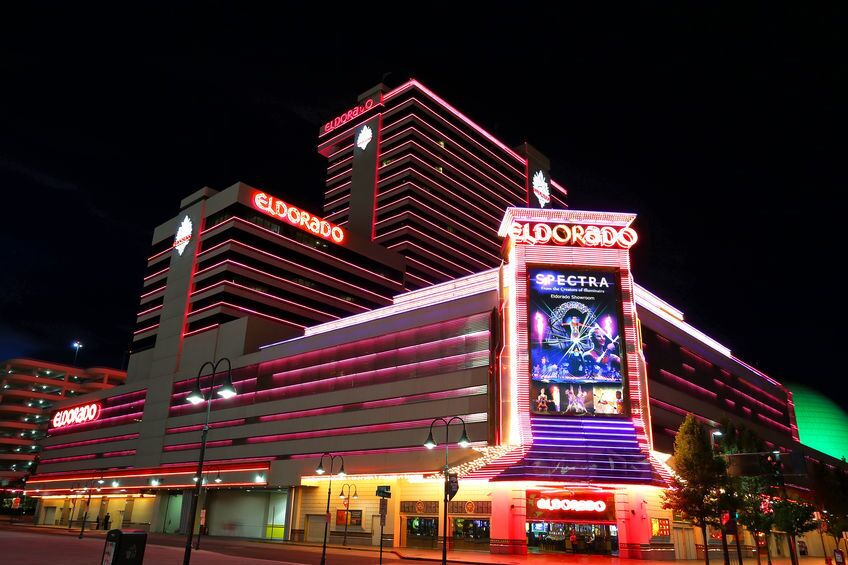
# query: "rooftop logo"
[[183, 235], [541, 189], [76, 415], [348, 116], [364, 137]]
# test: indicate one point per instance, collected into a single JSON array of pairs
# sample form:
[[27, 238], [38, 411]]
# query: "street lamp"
[[77, 345], [226, 390], [341, 473], [714, 434], [87, 507], [430, 444], [346, 502]]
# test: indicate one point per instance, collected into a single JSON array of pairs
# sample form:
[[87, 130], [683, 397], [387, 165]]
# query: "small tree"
[[794, 518], [754, 510], [694, 492]]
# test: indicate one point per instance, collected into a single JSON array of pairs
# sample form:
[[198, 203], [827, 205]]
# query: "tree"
[[754, 509], [794, 518], [694, 493]]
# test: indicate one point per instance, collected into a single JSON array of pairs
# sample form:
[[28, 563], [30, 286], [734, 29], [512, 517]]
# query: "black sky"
[[722, 126]]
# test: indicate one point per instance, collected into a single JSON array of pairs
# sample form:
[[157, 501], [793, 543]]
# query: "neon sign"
[[76, 415], [348, 116], [183, 235], [572, 505], [297, 217], [576, 235], [541, 189]]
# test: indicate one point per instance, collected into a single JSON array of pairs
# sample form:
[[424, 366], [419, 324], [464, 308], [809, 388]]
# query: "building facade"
[[29, 392], [446, 278]]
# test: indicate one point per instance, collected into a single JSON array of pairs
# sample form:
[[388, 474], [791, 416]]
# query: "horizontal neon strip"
[[119, 453], [198, 427], [64, 459], [265, 294], [187, 446], [165, 270], [223, 304], [354, 430], [414, 83], [147, 329], [91, 441], [177, 469], [200, 330], [372, 404]]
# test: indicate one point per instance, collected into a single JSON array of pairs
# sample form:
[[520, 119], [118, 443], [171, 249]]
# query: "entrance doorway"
[[569, 537], [422, 532]]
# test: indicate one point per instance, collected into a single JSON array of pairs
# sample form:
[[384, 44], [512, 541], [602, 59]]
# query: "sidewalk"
[[271, 551]]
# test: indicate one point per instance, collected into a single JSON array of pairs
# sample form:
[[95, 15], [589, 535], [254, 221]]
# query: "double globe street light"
[[430, 444], [340, 473], [196, 396]]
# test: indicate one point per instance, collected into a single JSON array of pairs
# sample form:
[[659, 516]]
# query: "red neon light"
[[304, 220], [76, 415], [345, 117], [577, 235], [569, 504]]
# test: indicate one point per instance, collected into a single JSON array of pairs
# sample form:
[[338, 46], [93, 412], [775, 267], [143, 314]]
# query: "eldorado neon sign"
[[297, 217], [571, 234], [76, 415], [348, 116], [572, 505]]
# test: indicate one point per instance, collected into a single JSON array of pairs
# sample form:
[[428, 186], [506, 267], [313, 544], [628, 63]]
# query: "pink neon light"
[[749, 398], [344, 149], [254, 291], [296, 217], [559, 187], [224, 304], [91, 442], [165, 270], [440, 134], [403, 229], [198, 427], [413, 101], [200, 330], [344, 173], [331, 258], [431, 253], [65, 459], [424, 266], [147, 329], [465, 242], [454, 111], [176, 469], [413, 196], [154, 291], [425, 167], [299, 267], [459, 171], [119, 453], [140, 314], [365, 429], [372, 404], [187, 446], [292, 283], [336, 164], [160, 254]]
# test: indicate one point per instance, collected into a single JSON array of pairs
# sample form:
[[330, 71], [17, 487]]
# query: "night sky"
[[722, 126]]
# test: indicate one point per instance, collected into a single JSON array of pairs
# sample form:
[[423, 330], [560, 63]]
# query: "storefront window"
[[422, 532], [471, 533], [572, 538]]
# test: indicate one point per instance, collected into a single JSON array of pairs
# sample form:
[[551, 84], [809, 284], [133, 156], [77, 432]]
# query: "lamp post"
[[713, 435], [77, 345], [430, 444], [87, 507], [341, 473], [226, 390], [346, 502]]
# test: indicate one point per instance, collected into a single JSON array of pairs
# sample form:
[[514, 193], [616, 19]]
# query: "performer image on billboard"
[[575, 341]]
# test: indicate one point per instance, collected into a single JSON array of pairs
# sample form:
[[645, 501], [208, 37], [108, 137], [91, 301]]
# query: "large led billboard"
[[575, 340]]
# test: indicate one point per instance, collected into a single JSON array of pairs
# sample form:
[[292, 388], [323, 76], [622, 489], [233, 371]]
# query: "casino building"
[[446, 277]]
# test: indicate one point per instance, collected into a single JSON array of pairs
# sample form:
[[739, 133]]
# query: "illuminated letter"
[[627, 237], [577, 234], [593, 236], [314, 226], [561, 234], [542, 232], [608, 236], [294, 215], [325, 229], [280, 209], [515, 232], [260, 200], [337, 234]]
